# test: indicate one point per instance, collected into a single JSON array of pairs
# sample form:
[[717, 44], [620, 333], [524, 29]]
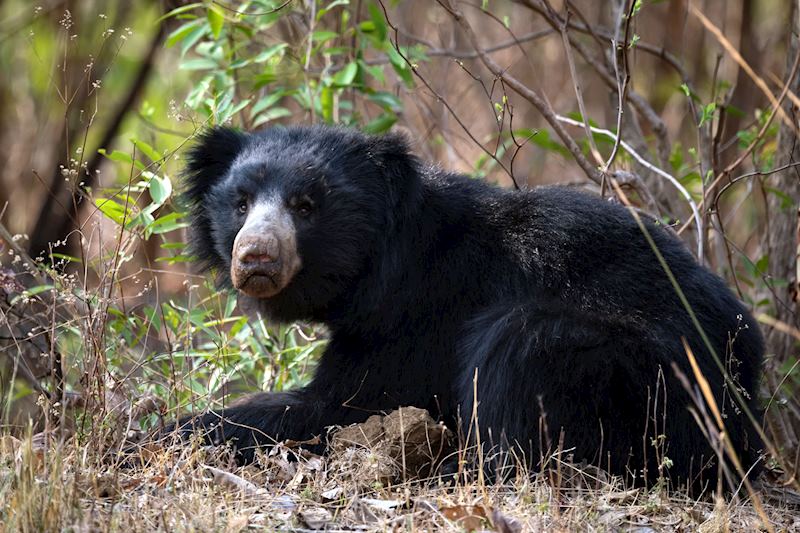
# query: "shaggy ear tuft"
[[210, 158], [208, 161], [393, 155]]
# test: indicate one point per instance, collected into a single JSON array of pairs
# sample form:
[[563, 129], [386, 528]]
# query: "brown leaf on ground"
[[9, 447], [316, 517], [229, 479], [469, 517]]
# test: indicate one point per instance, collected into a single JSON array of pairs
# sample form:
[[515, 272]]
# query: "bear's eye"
[[242, 208], [304, 207]]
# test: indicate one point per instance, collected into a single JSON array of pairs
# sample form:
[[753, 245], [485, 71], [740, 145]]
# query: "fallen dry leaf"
[[228, 479], [469, 517], [316, 517]]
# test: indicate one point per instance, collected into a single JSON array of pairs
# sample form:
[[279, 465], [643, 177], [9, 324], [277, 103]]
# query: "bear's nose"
[[253, 252], [257, 257]]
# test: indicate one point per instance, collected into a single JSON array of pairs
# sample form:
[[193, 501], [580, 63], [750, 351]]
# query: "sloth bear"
[[547, 307]]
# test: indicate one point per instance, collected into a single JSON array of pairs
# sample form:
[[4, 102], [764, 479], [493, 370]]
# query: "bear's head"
[[294, 217]]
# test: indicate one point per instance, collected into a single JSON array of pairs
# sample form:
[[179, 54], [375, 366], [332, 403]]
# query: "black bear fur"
[[425, 277]]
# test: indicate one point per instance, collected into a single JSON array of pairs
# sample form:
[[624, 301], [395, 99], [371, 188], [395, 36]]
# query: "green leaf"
[[345, 77], [734, 111], [380, 124], [264, 79], [692, 178], [400, 66], [216, 19], [266, 102], [239, 63], [179, 10], [334, 51], [33, 291], [575, 115], [160, 189], [269, 52], [121, 157], [322, 12], [202, 63], [143, 219], [388, 101], [542, 139], [193, 37], [786, 200], [147, 150], [65, 257], [326, 104], [750, 267], [376, 71], [113, 210], [376, 15], [763, 264], [238, 107], [181, 32], [196, 96], [322, 36], [707, 113], [118, 156], [175, 259], [169, 223], [272, 114], [38, 289], [676, 157]]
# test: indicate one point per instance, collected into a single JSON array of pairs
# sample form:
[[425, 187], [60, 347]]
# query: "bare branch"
[[642, 161], [734, 53], [435, 51], [444, 101], [639, 103], [527, 93], [579, 96]]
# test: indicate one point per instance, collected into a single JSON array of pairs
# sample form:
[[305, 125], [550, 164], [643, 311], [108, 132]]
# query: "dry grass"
[[195, 488]]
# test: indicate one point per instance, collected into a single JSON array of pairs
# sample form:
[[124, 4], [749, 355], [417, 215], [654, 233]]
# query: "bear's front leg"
[[260, 420]]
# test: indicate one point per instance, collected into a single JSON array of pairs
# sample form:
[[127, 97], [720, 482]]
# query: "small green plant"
[[249, 76]]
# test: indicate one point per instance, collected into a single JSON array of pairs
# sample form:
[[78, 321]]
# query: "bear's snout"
[[258, 250], [256, 265], [256, 257], [264, 258]]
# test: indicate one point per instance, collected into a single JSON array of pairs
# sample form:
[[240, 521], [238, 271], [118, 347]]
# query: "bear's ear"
[[210, 158], [207, 162], [393, 155]]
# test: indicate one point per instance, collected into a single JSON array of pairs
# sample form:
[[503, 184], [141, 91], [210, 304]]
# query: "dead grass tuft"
[[361, 485]]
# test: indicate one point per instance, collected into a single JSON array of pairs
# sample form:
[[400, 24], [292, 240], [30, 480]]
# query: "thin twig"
[[435, 51], [443, 100], [576, 84], [642, 161], [524, 91], [257, 14], [759, 137], [639, 103], [737, 57], [622, 85]]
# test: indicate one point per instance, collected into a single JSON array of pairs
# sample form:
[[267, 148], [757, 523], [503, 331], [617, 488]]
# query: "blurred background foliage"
[[101, 310]]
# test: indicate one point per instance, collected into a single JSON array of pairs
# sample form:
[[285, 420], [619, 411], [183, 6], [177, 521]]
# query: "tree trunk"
[[781, 239]]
